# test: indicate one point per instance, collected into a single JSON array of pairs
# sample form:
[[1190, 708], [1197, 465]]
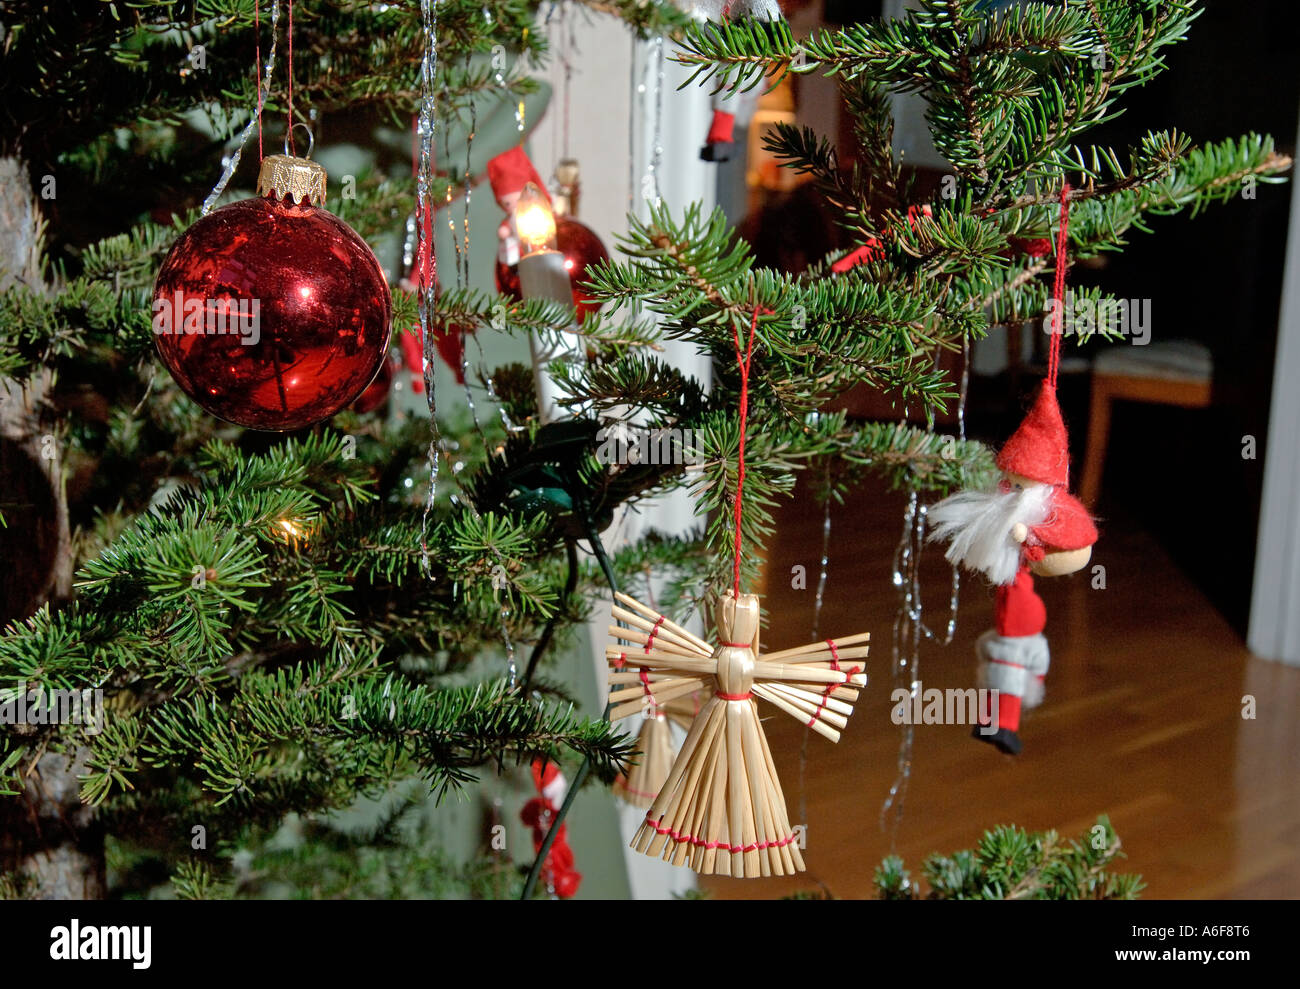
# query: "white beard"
[[978, 525]]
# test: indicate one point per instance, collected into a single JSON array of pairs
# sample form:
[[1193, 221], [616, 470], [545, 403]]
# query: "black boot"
[[1004, 738]]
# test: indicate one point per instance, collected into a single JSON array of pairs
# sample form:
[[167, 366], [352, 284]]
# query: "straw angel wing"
[[652, 756], [721, 809], [648, 764]]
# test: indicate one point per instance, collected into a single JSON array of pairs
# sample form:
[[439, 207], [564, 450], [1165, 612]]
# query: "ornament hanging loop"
[[1058, 287], [311, 139]]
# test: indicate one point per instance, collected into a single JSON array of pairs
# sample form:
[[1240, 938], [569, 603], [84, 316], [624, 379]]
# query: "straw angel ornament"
[[721, 809]]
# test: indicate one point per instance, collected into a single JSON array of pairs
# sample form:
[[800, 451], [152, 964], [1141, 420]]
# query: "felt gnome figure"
[[561, 878], [1028, 525]]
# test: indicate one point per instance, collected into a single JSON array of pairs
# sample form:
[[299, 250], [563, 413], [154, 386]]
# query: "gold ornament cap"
[[566, 172], [565, 200], [287, 176]]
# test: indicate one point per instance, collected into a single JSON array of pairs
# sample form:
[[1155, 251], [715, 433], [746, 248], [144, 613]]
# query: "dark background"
[[1216, 278]]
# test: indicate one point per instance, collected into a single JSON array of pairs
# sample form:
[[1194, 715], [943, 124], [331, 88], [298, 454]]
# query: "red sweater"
[[1019, 611]]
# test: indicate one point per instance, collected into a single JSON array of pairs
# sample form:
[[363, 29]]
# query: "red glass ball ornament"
[[273, 314], [580, 247]]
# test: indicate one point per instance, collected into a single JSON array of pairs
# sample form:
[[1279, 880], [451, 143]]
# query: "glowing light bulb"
[[292, 532], [534, 221]]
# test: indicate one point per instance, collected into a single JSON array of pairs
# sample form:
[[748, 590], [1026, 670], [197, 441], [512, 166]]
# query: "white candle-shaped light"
[[543, 275], [534, 222]]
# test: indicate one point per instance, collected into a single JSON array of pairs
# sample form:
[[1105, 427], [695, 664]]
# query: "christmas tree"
[[280, 623]]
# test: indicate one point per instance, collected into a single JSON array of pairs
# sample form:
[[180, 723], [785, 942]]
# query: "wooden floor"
[[1142, 720]]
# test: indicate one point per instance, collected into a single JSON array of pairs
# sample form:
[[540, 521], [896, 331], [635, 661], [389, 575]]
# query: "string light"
[[534, 221], [294, 532]]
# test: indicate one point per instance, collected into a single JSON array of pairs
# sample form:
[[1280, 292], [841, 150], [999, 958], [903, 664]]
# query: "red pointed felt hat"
[[510, 171], [1039, 449], [544, 773], [1068, 527]]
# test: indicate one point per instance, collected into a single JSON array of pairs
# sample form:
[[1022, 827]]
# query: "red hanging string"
[[744, 361], [292, 149], [1058, 287], [257, 73]]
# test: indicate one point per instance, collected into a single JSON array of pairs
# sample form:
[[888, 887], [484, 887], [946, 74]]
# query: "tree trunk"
[[49, 841]]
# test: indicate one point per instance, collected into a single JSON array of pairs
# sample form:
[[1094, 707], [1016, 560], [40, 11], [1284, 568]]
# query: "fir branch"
[[353, 728], [1012, 864]]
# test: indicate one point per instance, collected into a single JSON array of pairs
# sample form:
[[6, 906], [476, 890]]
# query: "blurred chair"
[[1175, 372]]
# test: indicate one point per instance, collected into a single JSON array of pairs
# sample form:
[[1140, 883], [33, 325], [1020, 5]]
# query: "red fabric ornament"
[[721, 128], [1014, 657], [509, 172], [376, 393], [538, 813], [1069, 527], [581, 249], [450, 348], [450, 344], [867, 252], [532, 811], [413, 357], [1039, 449], [543, 826], [447, 342], [545, 774], [871, 249], [1037, 247], [316, 313], [561, 857], [566, 884], [1018, 610]]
